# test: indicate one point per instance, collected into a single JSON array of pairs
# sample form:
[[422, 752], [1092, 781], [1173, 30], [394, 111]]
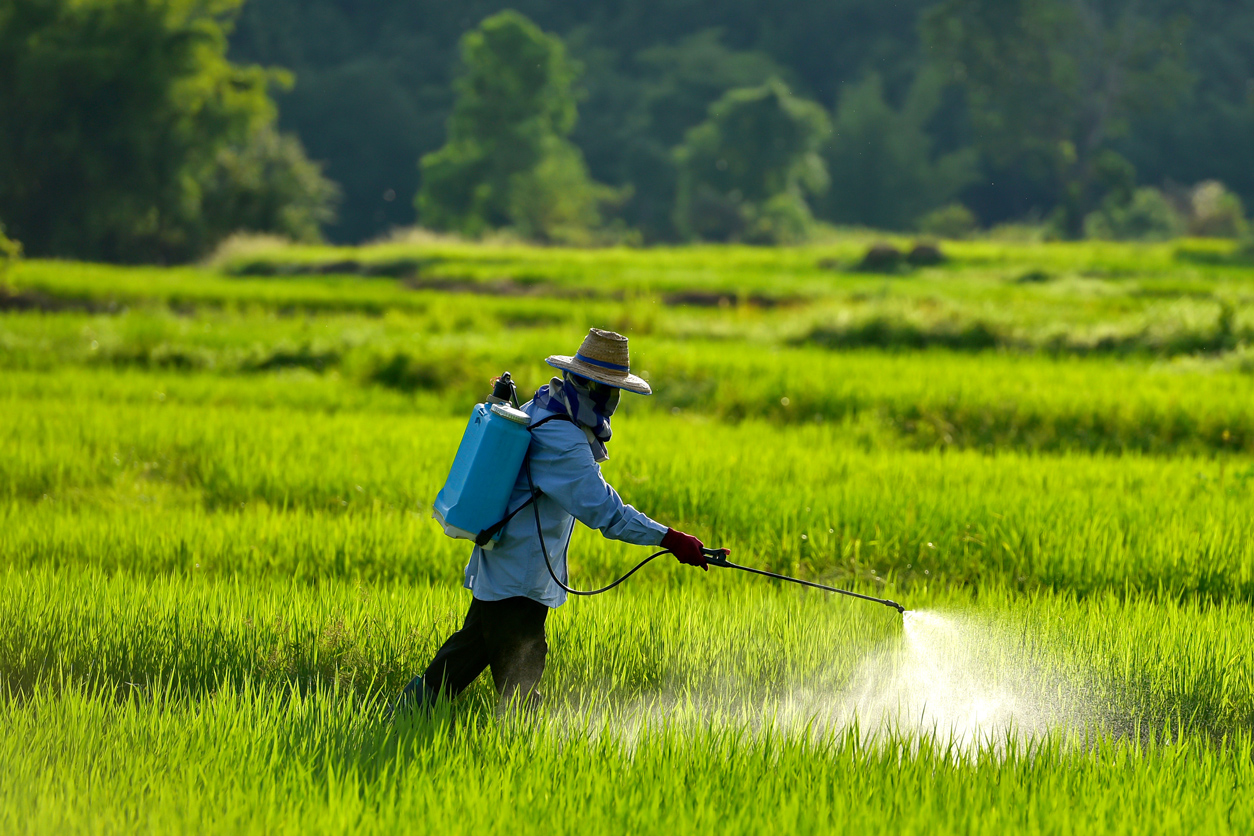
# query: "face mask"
[[604, 398]]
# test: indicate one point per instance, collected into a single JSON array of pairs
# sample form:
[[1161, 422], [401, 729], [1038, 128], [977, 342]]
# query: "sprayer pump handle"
[[503, 388], [716, 557]]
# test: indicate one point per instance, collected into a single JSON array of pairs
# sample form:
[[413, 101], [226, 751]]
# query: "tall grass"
[[165, 486], [932, 398], [236, 706]]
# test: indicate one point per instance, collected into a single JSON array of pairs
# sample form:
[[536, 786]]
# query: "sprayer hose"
[[544, 550]]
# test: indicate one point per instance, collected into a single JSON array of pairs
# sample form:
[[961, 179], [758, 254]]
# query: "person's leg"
[[461, 658], [514, 636]]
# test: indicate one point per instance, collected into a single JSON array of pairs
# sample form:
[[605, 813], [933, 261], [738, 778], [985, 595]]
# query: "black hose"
[[545, 551]]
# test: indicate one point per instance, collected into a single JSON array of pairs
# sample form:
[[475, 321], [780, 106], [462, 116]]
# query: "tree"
[[744, 172], [508, 160], [114, 115], [368, 129], [882, 167], [1050, 83]]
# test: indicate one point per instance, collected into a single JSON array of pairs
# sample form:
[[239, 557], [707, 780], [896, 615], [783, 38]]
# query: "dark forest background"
[[149, 130], [373, 91]]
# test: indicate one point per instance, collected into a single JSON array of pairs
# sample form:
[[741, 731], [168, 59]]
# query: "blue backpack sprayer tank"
[[474, 502], [476, 494]]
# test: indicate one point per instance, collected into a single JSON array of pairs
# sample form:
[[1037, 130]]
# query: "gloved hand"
[[686, 548]]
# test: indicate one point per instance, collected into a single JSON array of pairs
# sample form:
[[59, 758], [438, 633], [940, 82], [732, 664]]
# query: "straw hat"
[[603, 358]]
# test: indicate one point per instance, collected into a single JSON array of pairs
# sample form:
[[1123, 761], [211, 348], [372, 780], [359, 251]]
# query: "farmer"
[[513, 590]]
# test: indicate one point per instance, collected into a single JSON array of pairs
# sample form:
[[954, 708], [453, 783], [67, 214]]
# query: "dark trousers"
[[506, 635]]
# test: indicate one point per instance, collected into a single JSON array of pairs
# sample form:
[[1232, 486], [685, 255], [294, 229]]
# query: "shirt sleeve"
[[563, 467]]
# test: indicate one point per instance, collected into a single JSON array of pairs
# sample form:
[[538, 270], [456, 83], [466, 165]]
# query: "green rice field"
[[218, 567]]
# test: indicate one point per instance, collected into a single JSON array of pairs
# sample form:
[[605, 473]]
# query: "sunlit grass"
[[217, 565]]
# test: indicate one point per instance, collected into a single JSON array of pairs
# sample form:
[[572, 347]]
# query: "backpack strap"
[[491, 531], [557, 416]]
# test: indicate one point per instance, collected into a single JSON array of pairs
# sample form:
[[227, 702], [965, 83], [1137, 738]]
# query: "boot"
[[415, 697]]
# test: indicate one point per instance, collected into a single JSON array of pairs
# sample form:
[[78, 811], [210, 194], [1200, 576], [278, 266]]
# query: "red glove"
[[686, 548]]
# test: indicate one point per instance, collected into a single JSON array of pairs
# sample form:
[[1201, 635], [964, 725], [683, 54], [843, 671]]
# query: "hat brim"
[[625, 380]]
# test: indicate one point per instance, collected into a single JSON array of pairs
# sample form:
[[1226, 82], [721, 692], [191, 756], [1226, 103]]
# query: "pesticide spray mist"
[[963, 681]]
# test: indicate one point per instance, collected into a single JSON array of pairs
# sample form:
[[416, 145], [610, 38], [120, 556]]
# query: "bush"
[[784, 219], [267, 185], [10, 251], [925, 254], [557, 201], [1148, 216], [881, 257], [952, 221], [1215, 212]]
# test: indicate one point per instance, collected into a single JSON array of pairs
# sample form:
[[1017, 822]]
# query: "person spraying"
[[517, 570]]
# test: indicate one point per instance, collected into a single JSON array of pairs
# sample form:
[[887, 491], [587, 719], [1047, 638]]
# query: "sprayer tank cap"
[[511, 414]]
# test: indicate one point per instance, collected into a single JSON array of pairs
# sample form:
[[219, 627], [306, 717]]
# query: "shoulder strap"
[[557, 416], [490, 532]]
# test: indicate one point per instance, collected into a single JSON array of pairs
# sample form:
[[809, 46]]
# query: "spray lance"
[[474, 502]]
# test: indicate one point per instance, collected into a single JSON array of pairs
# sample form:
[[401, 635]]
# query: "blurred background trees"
[[745, 172], [148, 129], [126, 135], [1049, 85], [884, 166]]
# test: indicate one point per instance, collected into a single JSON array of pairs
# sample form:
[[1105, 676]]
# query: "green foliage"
[[374, 90], [884, 172], [951, 221], [1051, 83], [10, 251], [1147, 216], [507, 161], [744, 172], [556, 201], [676, 85], [268, 185], [114, 120], [1215, 212]]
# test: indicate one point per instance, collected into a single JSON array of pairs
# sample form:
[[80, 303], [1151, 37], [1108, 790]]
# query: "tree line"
[[148, 129]]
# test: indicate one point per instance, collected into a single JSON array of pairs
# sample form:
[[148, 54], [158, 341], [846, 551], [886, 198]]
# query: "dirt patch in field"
[[505, 287], [33, 300], [515, 288], [710, 299]]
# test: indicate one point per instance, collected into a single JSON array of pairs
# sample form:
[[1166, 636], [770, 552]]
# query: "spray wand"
[[718, 557]]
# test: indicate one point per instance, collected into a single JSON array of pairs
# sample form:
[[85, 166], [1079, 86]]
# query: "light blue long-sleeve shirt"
[[563, 468]]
